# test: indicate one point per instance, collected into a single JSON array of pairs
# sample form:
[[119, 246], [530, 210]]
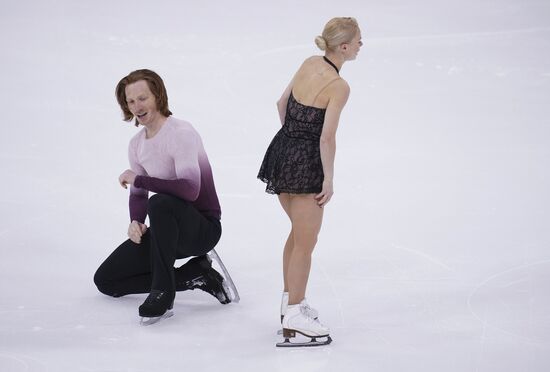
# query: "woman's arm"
[[283, 101], [337, 101]]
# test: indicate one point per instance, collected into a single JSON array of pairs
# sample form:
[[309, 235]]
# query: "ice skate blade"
[[233, 293], [311, 343], [145, 321], [225, 298]]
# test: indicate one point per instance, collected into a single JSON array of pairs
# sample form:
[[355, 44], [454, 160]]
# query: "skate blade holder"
[[301, 340], [234, 293], [146, 321]]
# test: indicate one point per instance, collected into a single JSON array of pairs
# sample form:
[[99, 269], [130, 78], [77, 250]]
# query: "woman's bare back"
[[313, 81]]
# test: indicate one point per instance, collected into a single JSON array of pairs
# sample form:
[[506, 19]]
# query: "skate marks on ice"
[[284, 49], [14, 362], [396, 279], [25, 319], [515, 302], [424, 255], [334, 294], [373, 41], [458, 35], [417, 277], [308, 358], [395, 262]]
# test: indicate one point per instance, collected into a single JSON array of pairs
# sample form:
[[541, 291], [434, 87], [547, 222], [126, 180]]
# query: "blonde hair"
[[338, 31]]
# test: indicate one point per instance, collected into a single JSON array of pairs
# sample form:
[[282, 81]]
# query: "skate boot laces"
[[309, 311]]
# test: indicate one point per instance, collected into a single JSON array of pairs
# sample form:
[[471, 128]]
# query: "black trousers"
[[177, 230]]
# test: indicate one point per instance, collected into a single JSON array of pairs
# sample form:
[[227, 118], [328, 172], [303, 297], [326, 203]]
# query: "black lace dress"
[[292, 163]]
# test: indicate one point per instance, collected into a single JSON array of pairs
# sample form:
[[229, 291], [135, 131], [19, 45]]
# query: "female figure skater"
[[166, 157], [299, 165]]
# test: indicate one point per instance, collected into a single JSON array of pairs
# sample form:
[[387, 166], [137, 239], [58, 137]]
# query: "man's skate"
[[232, 289], [298, 320], [158, 305], [198, 273]]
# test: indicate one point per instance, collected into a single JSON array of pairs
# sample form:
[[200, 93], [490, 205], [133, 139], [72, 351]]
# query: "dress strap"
[[323, 88]]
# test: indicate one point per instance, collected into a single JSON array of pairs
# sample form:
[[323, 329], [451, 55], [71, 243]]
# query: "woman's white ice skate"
[[298, 320], [284, 304]]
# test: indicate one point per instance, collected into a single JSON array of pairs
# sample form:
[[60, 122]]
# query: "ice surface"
[[434, 253]]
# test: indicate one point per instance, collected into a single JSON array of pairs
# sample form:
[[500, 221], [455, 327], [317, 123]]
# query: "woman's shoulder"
[[310, 61], [341, 85], [339, 89], [314, 58]]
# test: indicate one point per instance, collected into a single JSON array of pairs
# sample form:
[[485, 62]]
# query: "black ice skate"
[[209, 280], [158, 305], [213, 255]]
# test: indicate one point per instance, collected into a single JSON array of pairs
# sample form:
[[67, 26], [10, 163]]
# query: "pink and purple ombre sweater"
[[172, 162]]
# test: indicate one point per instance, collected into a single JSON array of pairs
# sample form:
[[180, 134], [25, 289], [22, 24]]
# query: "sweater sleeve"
[[184, 150], [138, 197], [182, 188], [138, 207]]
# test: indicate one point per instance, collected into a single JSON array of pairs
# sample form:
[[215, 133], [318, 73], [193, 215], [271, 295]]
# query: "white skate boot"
[[298, 319], [284, 303]]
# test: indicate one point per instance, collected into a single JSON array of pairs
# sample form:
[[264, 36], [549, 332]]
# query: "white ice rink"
[[435, 251]]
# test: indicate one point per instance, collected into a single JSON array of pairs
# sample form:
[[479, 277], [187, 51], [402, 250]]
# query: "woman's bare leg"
[[306, 217], [284, 199]]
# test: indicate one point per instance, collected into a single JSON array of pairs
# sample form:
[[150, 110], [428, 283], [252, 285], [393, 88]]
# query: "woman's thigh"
[[306, 217], [284, 199]]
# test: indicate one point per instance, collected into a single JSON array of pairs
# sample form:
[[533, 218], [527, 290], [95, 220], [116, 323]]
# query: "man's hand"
[[136, 231], [127, 178]]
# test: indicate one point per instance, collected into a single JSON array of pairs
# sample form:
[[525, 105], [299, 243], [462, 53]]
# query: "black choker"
[[332, 64]]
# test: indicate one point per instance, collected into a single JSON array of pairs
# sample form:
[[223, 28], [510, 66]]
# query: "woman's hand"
[[136, 231], [326, 193], [127, 178]]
